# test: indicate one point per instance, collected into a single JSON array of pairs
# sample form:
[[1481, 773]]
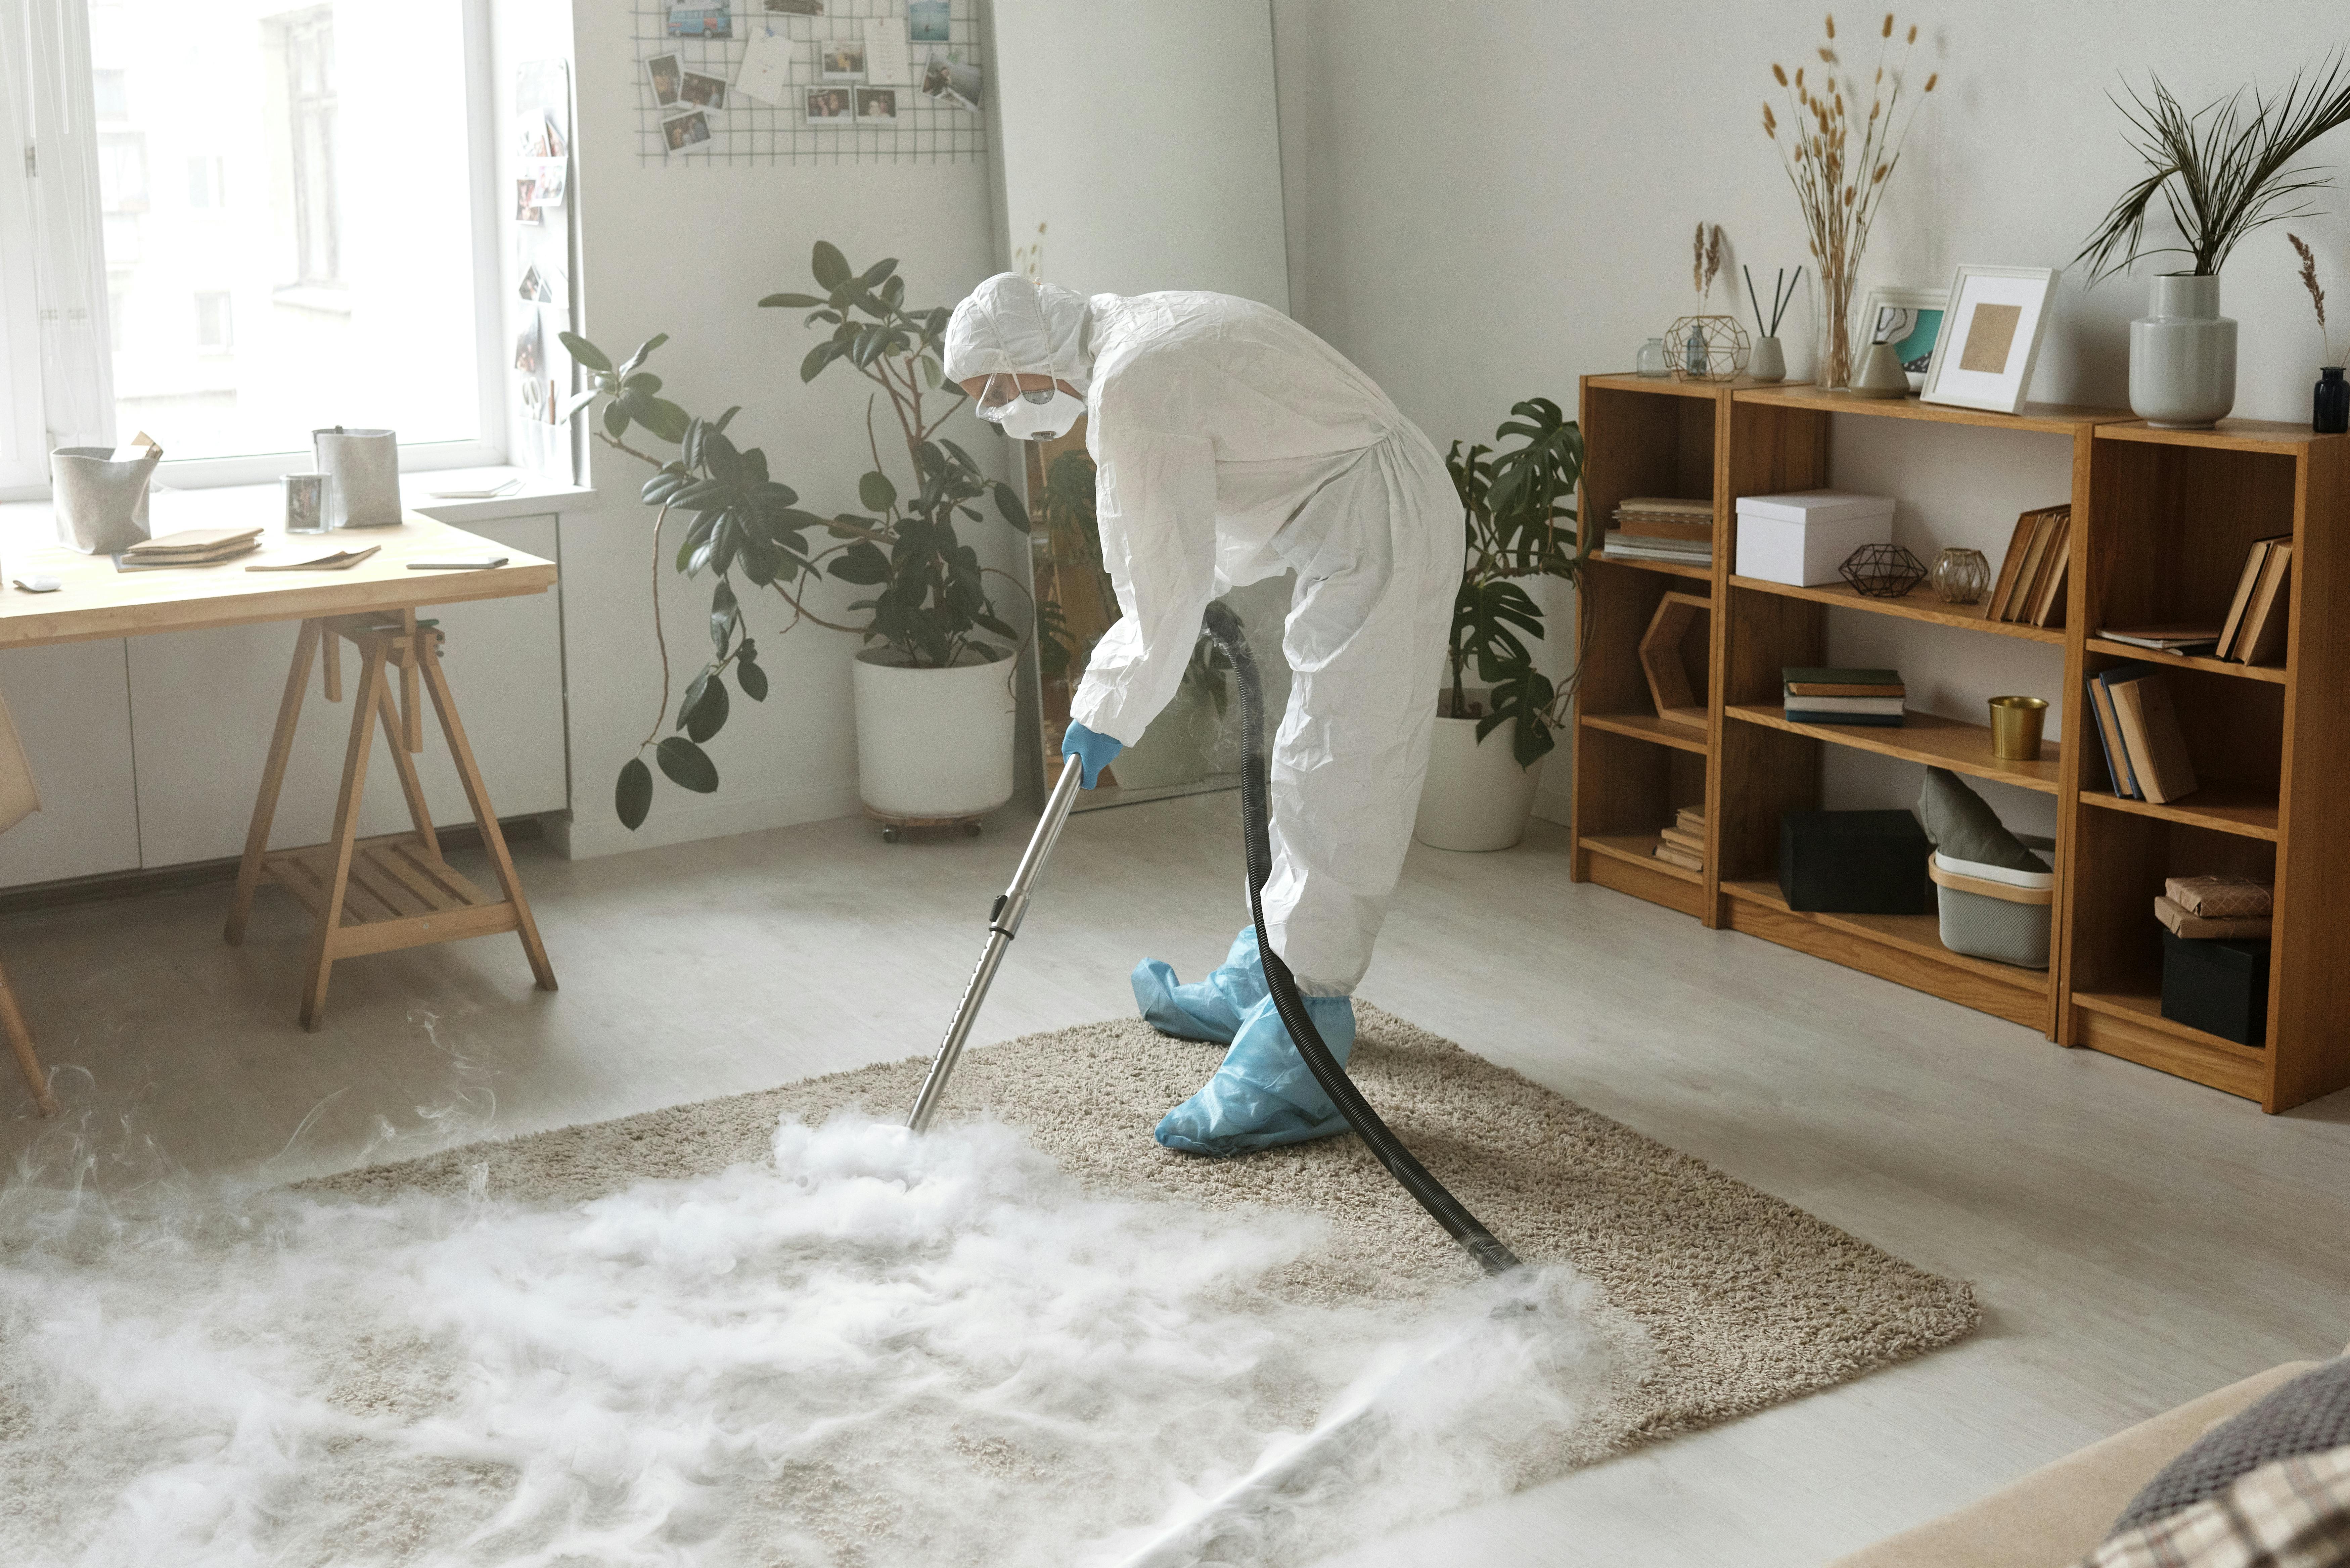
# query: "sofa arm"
[[2058, 1514]]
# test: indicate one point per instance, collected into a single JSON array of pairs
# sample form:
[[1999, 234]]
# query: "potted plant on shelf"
[[2221, 173], [933, 695], [1486, 759]]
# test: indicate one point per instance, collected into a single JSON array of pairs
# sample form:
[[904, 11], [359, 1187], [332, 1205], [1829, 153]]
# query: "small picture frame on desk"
[[1911, 320], [1991, 338]]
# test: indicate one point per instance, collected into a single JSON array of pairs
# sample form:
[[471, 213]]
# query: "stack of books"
[[2030, 590], [2137, 729], [1661, 529], [195, 548], [1833, 696], [2253, 632], [1683, 844], [2217, 909]]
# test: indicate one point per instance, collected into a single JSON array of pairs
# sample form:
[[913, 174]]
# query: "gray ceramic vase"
[[1769, 361], [2182, 373]]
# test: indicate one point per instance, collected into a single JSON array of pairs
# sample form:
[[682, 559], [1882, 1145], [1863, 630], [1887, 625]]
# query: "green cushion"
[[1963, 827]]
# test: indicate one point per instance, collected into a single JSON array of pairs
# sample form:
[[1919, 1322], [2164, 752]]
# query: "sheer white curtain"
[[45, 83]]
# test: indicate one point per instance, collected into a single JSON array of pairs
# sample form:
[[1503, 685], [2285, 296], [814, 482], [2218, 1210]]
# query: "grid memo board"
[[749, 132]]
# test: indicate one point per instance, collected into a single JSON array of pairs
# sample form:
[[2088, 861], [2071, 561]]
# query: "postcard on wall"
[[877, 106], [765, 73], [526, 201], [527, 347], [926, 20], [551, 176], [885, 51], [828, 106], [666, 74], [704, 19], [680, 131], [840, 59], [703, 91]]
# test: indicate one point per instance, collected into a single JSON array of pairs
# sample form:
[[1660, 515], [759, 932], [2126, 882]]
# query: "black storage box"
[[1855, 863], [2218, 987]]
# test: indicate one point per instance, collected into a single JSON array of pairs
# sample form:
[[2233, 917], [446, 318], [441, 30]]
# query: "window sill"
[[309, 296]]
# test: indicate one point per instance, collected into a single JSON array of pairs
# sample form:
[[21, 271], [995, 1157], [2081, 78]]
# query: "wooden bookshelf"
[[2160, 520]]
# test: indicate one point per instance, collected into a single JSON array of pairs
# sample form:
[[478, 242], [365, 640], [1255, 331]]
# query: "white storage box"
[[1992, 912], [1802, 538]]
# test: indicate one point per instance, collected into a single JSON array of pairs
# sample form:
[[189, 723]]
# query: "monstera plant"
[[748, 534], [1519, 521]]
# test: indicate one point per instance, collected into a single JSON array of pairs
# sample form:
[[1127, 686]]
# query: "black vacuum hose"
[[1224, 627]]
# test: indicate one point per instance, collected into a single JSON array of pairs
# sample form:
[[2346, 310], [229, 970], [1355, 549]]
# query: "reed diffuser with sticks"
[[1768, 362], [1840, 161]]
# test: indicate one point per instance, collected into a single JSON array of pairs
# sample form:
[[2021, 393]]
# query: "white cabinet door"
[[202, 704], [72, 710]]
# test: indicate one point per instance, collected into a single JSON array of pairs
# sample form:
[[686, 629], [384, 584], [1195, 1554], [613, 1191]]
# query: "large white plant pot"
[[2182, 371], [1477, 797], [933, 743]]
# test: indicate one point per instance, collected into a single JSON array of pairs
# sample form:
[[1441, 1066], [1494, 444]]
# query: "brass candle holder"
[[2015, 725]]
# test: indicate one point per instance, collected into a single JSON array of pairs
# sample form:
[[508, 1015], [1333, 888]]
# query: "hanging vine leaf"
[[748, 675], [687, 765], [632, 796], [703, 713]]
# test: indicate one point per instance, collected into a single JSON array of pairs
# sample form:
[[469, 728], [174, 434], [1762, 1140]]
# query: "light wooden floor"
[[2137, 1240]]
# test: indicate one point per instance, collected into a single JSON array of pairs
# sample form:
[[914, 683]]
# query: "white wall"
[[689, 250], [1485, 202]]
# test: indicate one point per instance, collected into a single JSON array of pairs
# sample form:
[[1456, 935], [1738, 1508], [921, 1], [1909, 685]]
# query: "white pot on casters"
[[1476, 797], [933, 746], [2182, 371]]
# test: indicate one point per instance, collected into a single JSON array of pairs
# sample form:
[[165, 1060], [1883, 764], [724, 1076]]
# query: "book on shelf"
[[1835, 695], [1684, 552], [2213, 928], [2159, 761], [2187, 638], [2109, 732], [2260, 637], [2221, 898], [1682, 838], [1665, 509], [1672, 855], [1690, 819], [2248, 582], [2032, 576]]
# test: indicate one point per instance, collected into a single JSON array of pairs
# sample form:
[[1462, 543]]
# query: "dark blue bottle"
[[2330, 411]]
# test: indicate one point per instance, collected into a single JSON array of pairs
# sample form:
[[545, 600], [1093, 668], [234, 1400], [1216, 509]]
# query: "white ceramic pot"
[[2182, 373], [1477, 797], [1769, 361], [933, 743]]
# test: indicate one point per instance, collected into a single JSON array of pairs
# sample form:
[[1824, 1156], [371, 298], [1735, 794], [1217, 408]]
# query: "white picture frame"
[[1990, 336], [1917, 314]]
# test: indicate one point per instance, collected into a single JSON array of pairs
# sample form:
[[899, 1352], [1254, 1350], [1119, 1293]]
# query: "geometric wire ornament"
[[1882, 571], [1717, 354]]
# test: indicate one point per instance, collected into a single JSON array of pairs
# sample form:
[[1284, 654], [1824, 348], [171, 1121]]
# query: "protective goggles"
[[1002, 393]]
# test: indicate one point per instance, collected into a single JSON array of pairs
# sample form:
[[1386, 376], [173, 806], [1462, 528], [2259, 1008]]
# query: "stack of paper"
[[192, 547], [1836, 696], [1663, 528]]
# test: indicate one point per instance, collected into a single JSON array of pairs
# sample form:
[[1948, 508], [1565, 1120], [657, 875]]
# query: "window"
[[122, 171], [205, 179], [212, 322], [112, 91], [325, 267]]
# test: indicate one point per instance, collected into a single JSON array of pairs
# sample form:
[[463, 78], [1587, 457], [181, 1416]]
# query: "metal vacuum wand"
[[1003, 925]]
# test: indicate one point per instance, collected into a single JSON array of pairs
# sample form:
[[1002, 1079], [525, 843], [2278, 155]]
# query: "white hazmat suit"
[[1231, 443]]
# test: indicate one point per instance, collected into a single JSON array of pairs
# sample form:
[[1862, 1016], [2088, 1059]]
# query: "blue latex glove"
[[1209, 1009], [1093, 751], [1265, 1094]]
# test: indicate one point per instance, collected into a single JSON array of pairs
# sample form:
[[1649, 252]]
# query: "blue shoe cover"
[[1209, 1009], [1265, 1095]]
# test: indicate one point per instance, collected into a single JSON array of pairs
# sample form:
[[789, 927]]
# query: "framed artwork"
[[1909, 318], [1990, 336]]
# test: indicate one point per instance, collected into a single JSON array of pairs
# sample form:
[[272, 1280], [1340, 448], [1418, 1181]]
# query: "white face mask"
[[1024, 420]]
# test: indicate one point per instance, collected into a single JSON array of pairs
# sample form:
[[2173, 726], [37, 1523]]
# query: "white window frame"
[[66, 152]]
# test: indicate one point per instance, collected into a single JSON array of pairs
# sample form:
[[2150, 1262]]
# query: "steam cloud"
[[876, 1349]]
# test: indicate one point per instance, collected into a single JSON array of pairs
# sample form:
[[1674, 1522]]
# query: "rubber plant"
[[1518, 522], [929, 598]]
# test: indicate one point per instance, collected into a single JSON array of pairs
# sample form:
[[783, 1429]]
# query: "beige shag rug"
[[1724, 1300]]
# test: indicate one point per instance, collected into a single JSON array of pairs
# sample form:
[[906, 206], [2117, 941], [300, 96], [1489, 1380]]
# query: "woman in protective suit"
[[1232, 444]]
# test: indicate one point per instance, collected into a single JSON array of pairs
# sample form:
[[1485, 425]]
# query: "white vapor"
[[876, 1349]]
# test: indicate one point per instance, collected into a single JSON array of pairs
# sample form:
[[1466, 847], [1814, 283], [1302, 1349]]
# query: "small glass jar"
[[1961, 576], [1651, 362]]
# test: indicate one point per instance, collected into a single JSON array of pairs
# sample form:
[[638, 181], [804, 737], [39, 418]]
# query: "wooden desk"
[[369, 897]]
